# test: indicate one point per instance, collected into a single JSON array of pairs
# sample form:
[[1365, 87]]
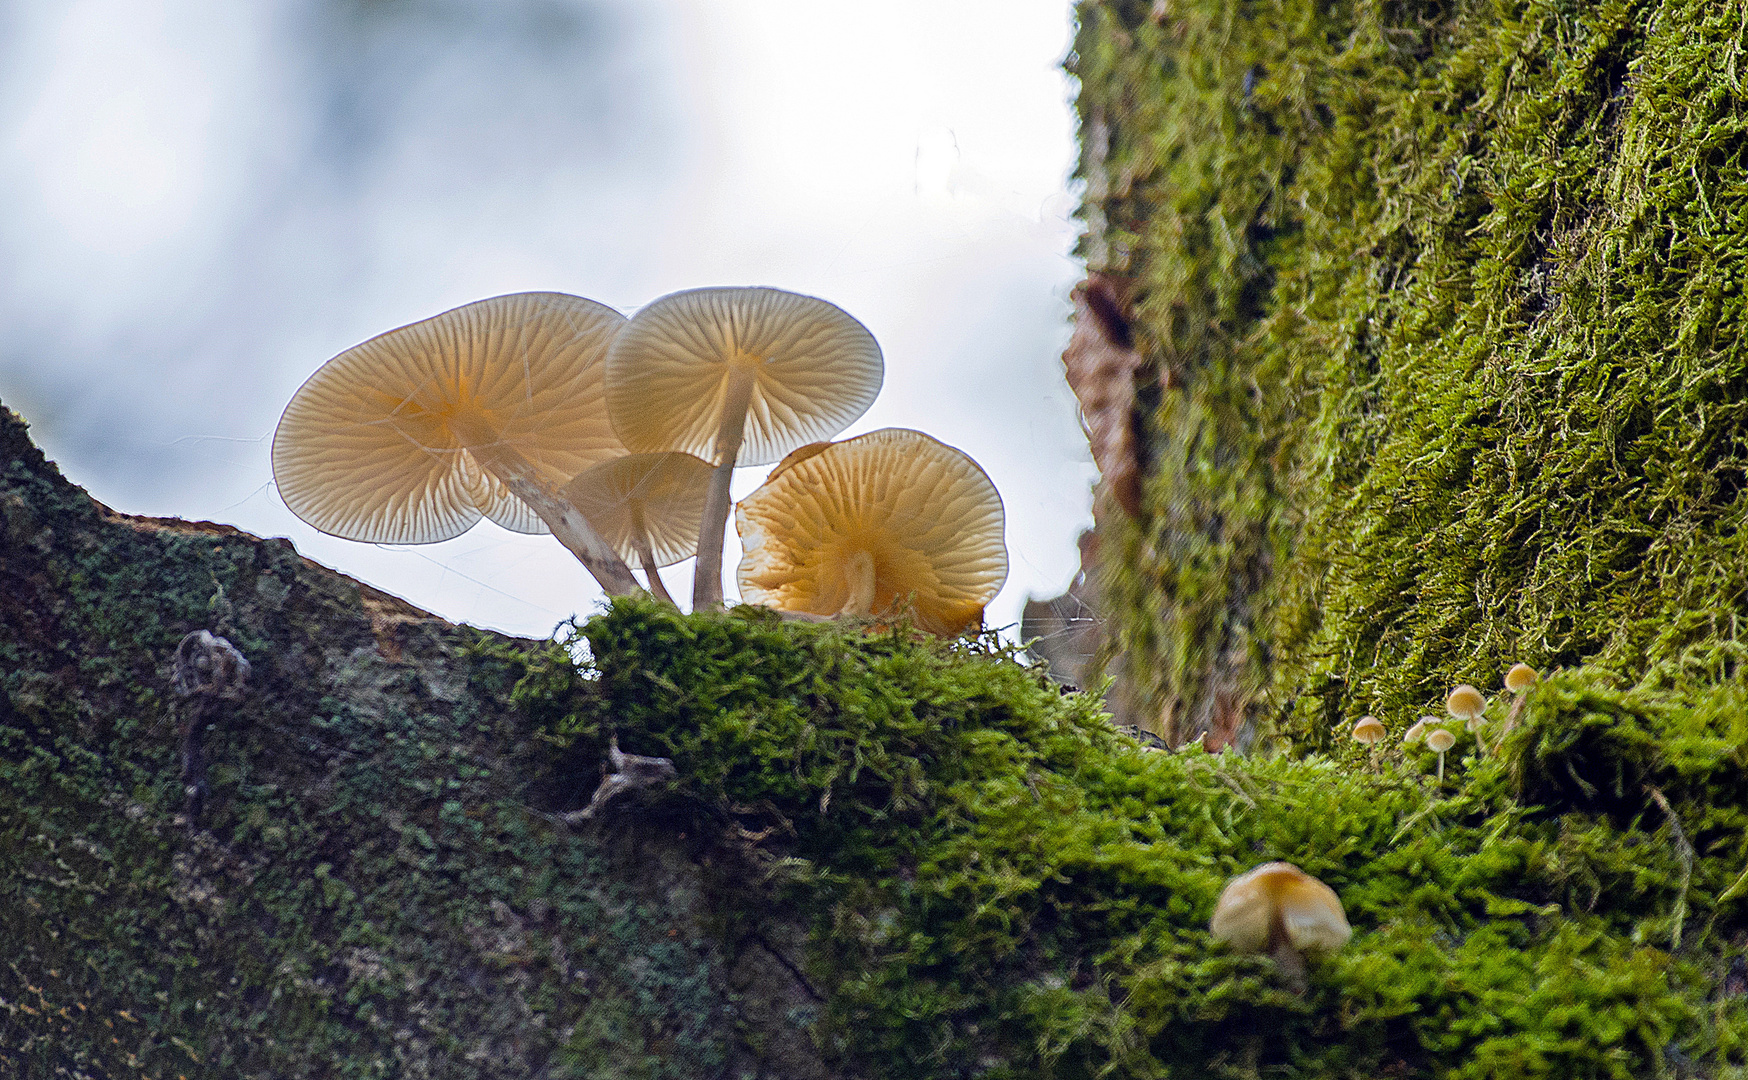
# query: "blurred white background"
[[204, 201]]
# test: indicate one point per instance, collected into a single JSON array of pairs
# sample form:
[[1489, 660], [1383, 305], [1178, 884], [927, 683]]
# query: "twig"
[[1684, 851], [630, 772]]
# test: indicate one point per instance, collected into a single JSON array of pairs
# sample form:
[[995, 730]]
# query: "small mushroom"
[[1417, 729], [1440, 740], [860, 527], [1518, 680], [413, 436], [647, 506], [1468, 704], [737, 376], [1280, 910], [1368, 731]]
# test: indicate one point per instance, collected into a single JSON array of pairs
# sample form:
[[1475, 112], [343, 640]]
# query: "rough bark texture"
[[374, 885]]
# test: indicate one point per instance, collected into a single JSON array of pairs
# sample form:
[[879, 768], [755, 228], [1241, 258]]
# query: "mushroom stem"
[[656, 585], [707, 577], [567, 523], [1441, 766], [859, 575]]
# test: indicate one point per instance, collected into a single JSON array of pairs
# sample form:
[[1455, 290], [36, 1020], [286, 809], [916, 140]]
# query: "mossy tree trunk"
[[1450, 297], [375, 884]]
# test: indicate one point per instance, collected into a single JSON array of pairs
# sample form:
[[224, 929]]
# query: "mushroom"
[[1368, 730], [1467, 704], [646, 506], [1280, 910], [858, 527], [1440, 740], [1518, 680], [737, 376], [413, 436], [1417, 729]]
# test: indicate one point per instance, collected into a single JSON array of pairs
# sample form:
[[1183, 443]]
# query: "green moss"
[[1452, 297], [998, 884]]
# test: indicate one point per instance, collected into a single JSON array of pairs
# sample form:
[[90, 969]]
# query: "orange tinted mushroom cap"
[[865, 526], [1279, 904]]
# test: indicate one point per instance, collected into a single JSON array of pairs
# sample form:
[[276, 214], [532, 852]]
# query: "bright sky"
[[207, 200]]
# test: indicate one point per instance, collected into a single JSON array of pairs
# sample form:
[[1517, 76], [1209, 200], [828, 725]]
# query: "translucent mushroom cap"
[[1520, 678], [368, 449], [816, 370], [1465, 702], [653, 499], [1278, 903], [923, 513], [1368, 730], [1418, 728], [1440, 739]]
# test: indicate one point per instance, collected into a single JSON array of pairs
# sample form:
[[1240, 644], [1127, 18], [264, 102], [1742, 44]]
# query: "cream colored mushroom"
[[1417, 729], [1518, 680], [484, 410], [1440, 740], [1368, 731], [1280, 910], [647, 506], [737, 376], [865, 526], [1468, 705]]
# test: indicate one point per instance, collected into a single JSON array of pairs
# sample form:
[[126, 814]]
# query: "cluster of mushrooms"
[[552, 413], [1278, 910], [1464, 703]]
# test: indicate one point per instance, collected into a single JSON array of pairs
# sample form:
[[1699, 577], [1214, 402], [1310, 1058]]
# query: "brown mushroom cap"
[[1440, 739], [1520, 678], [1277, 903], [815, 369], [645, 499], [1368, 730], [369, 447], [912, 514], [1465, 702]]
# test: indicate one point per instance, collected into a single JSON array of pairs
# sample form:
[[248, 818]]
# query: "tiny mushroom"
[[864, 526], [1520, 678], [482, 411], [1368, 731], [1280, 910], [1417, 729], [1440, 740], [737, 376], [647, 506], [1468, 704]]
